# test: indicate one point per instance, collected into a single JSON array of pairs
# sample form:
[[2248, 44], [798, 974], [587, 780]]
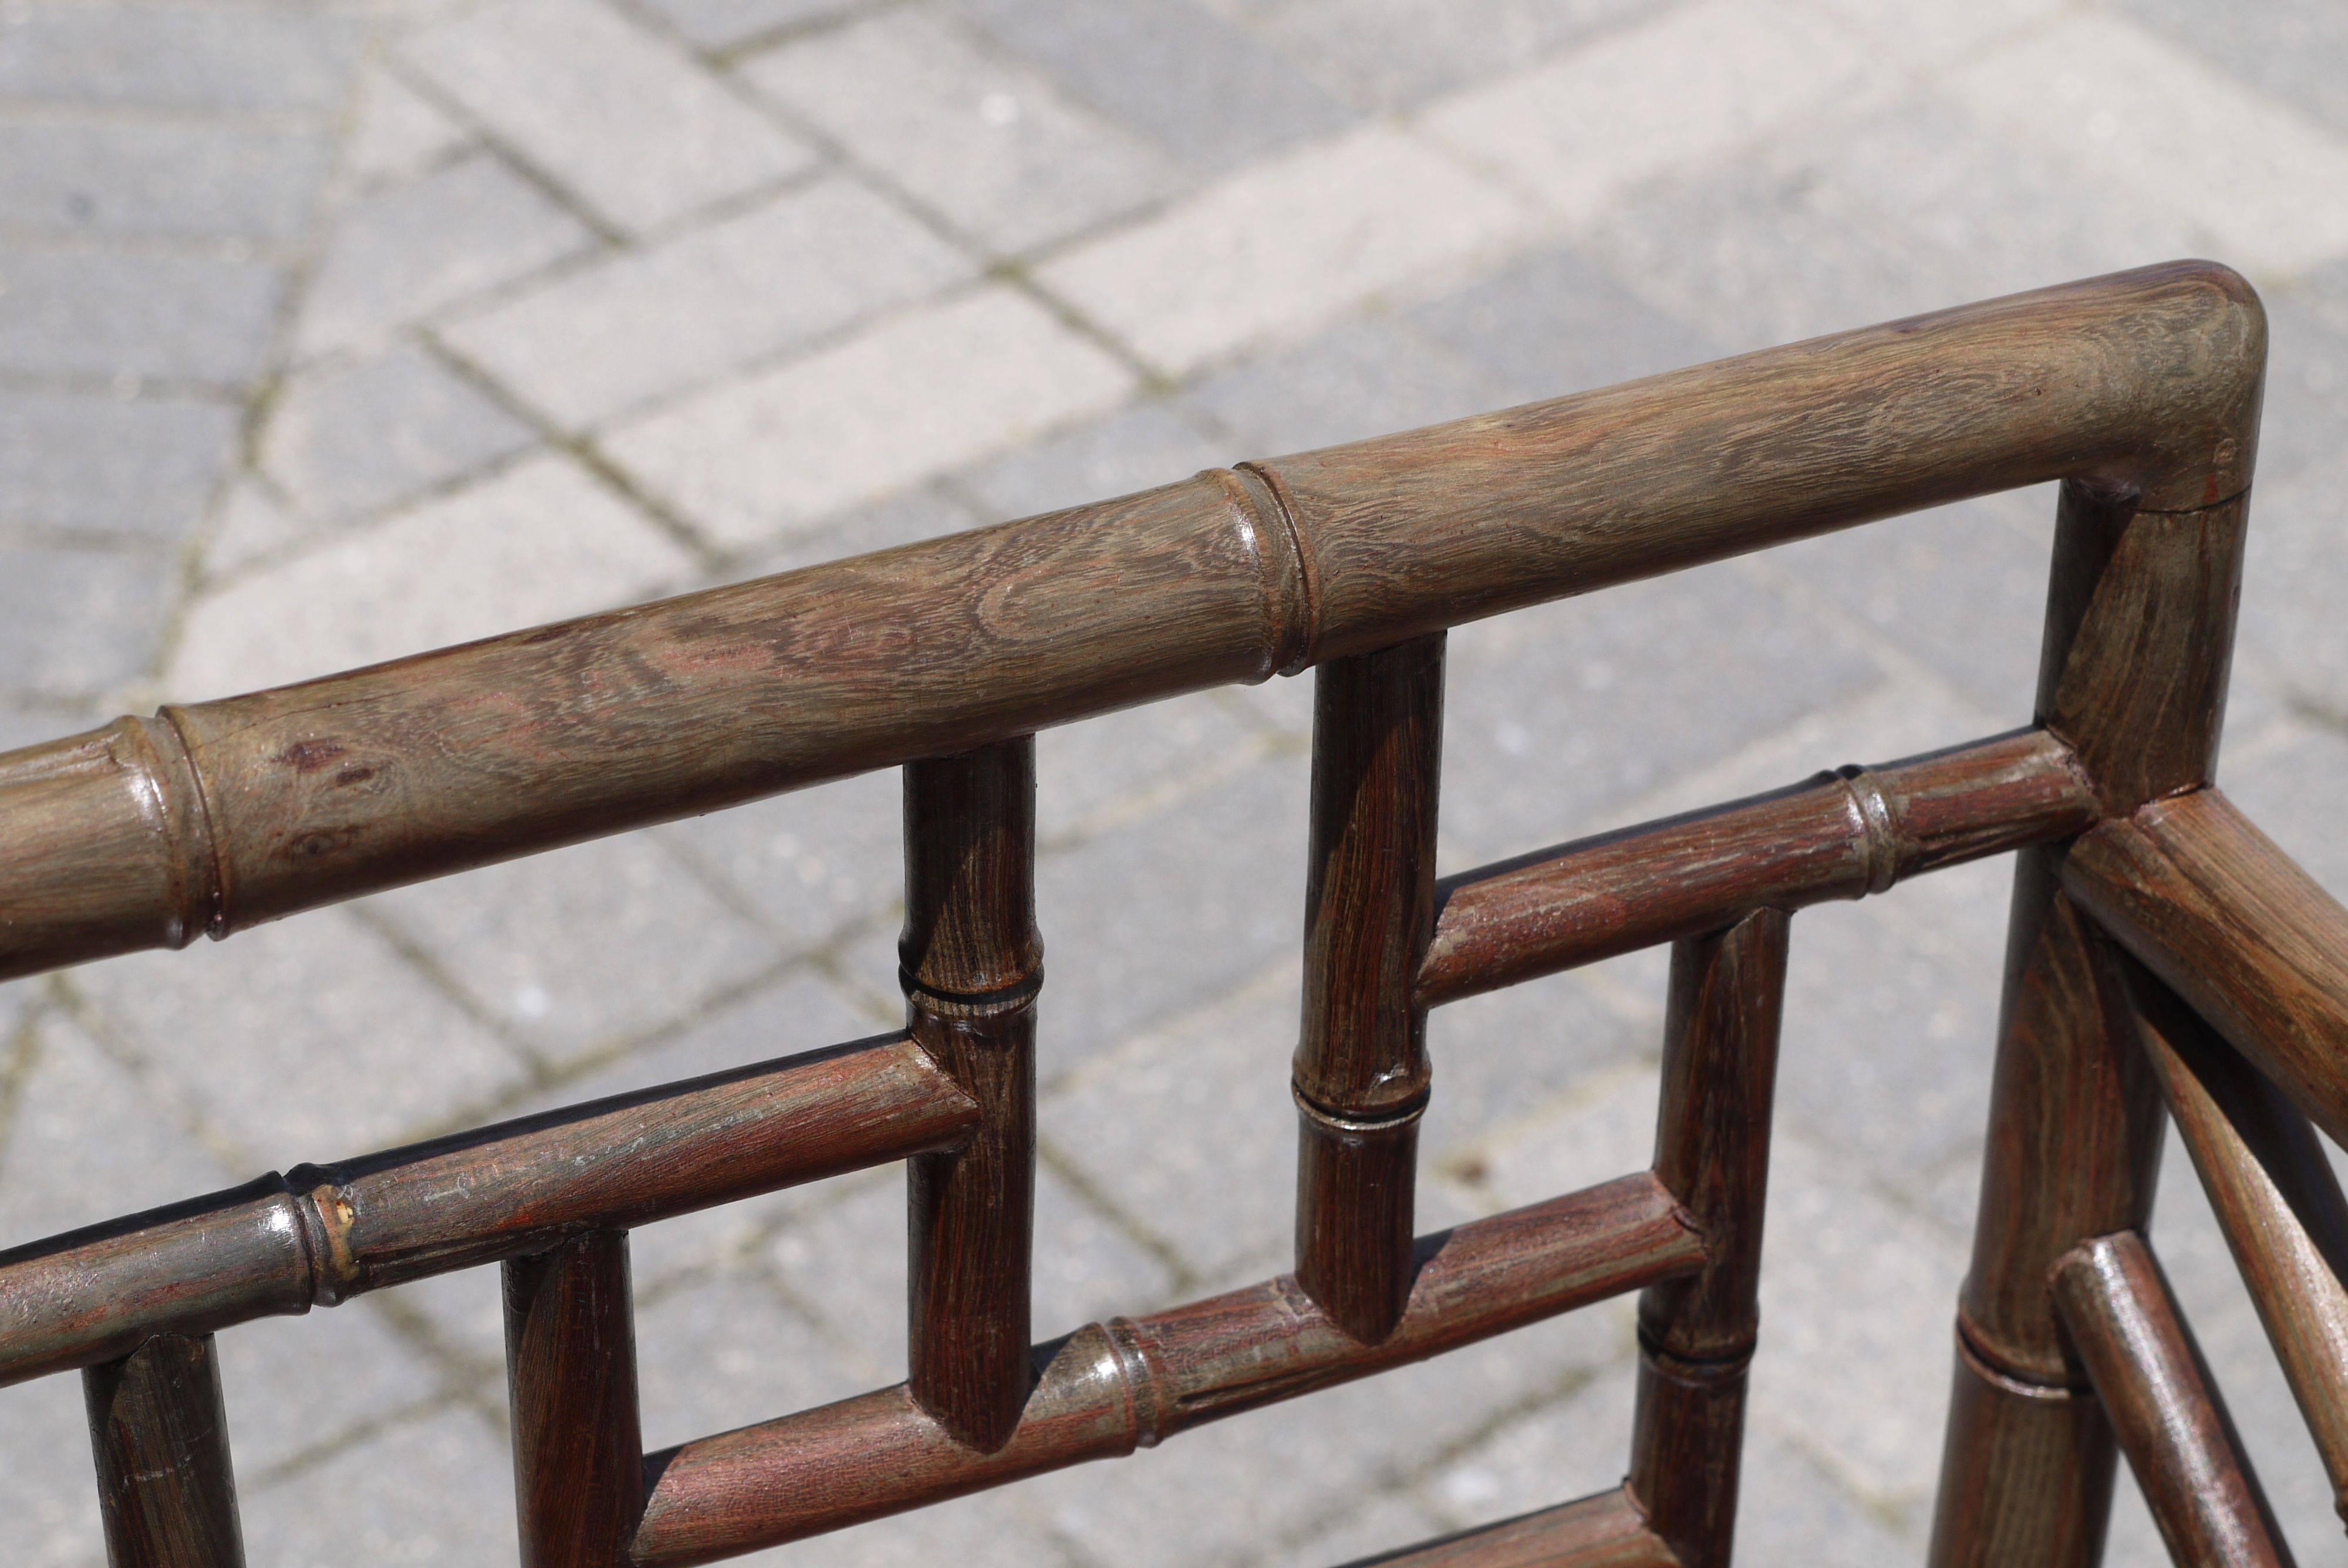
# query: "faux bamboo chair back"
[[2163, 953]]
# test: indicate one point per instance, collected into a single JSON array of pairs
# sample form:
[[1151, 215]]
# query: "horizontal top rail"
[[223, 814]]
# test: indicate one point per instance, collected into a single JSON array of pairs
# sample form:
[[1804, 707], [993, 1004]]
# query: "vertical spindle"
[[971, 963], [570, 1385], [2139, 634], [1361, 1071], [1712, 1151], [166, 1489]]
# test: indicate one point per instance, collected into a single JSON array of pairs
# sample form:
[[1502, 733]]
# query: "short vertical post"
[[166, 1489], [1712, 1151], [2140, 622], [972, 963], [1361, 1073], [570, 1385]]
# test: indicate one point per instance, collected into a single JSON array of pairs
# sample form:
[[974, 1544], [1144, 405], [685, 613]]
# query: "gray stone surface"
[[332, 334]]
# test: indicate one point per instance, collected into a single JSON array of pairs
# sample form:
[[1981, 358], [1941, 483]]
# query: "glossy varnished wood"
[[972, 961], [166, 1489], [2276, 1200], [571, 1388], [319, 1235], [2170, 1422], [1843, 834], [1132, 1382], [2218, 912], [1606, 1531], [2139, 632], [1712, 1151], [1360, 1074], [223, 814]]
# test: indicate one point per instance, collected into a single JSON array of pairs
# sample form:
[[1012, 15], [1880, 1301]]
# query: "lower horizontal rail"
[[1606, 1531], [1841, 835], [318, 1236], [1109, 1389]]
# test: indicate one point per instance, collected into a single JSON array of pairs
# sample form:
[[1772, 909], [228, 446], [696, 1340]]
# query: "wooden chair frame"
[[2162, 954]]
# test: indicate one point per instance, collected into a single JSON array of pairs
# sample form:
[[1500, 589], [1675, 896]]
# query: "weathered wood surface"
[[319, 1235], [166, 1489], [2216, 909], [1696, 1334], [1109, 1389], [972, 961], [2170, 1422], [1840, 835], [1360, 1074], [2139, 634], [1605, 1531], [2276, 1200], [570, 1389], [218, 815]]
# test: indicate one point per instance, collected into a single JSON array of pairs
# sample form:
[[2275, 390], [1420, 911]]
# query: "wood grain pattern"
[[1132, 1382], [223, 814], [1842, 834], [2139, 625], [1360, 1074], [1605, 1531], [2216, 909], [2276, 1200], [570, 1386], [1712, 1151], [318, 1235], [972, 962], [2163, 1404], [166, 1489]]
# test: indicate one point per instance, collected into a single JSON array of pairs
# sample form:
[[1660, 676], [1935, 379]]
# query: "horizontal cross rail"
[[318, 1236], [1841, 835], [2216, 909], [1606, 1531], [1108, 1388], [217, 816]]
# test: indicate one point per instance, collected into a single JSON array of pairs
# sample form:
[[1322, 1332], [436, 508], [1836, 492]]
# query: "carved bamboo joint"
[[1843, 834], [318, 1235], [166, 1489], [1712, 1152], [2149, 1374], [570, 1386], [217, 816], [1108, 1388], [972, 963], [1361, 1072], [2276, 1199]]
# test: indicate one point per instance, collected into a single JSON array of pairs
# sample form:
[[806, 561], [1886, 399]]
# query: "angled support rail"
[[2135, 887]]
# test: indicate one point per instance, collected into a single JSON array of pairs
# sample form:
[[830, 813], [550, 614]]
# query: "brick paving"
[[329, 333]]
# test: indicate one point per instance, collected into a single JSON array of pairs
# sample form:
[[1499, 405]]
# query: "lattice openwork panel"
[[2166, 962]]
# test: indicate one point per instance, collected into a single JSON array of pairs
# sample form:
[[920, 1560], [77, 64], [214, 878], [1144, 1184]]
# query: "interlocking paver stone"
[[177, 57], [990, 143], [77, 464], [379, 1513], [613, 111], [165, 182], [78, 621], [123, 316], [733, 24], [2297, 49], [397, 132], [1397, 53], [664, 319], [356, 436]]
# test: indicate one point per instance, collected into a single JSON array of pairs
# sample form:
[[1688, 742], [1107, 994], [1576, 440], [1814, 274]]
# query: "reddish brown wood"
[[1712, 1150], [570, 1385], [251, 808], [1601, 1532], [1361, 1070], [2218, 912], [318, 1236], [2276, 1199], [972, 963], [1106, 1390], [166, 1489], [2140, 629], [2165, 1406], [1840, 835]]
